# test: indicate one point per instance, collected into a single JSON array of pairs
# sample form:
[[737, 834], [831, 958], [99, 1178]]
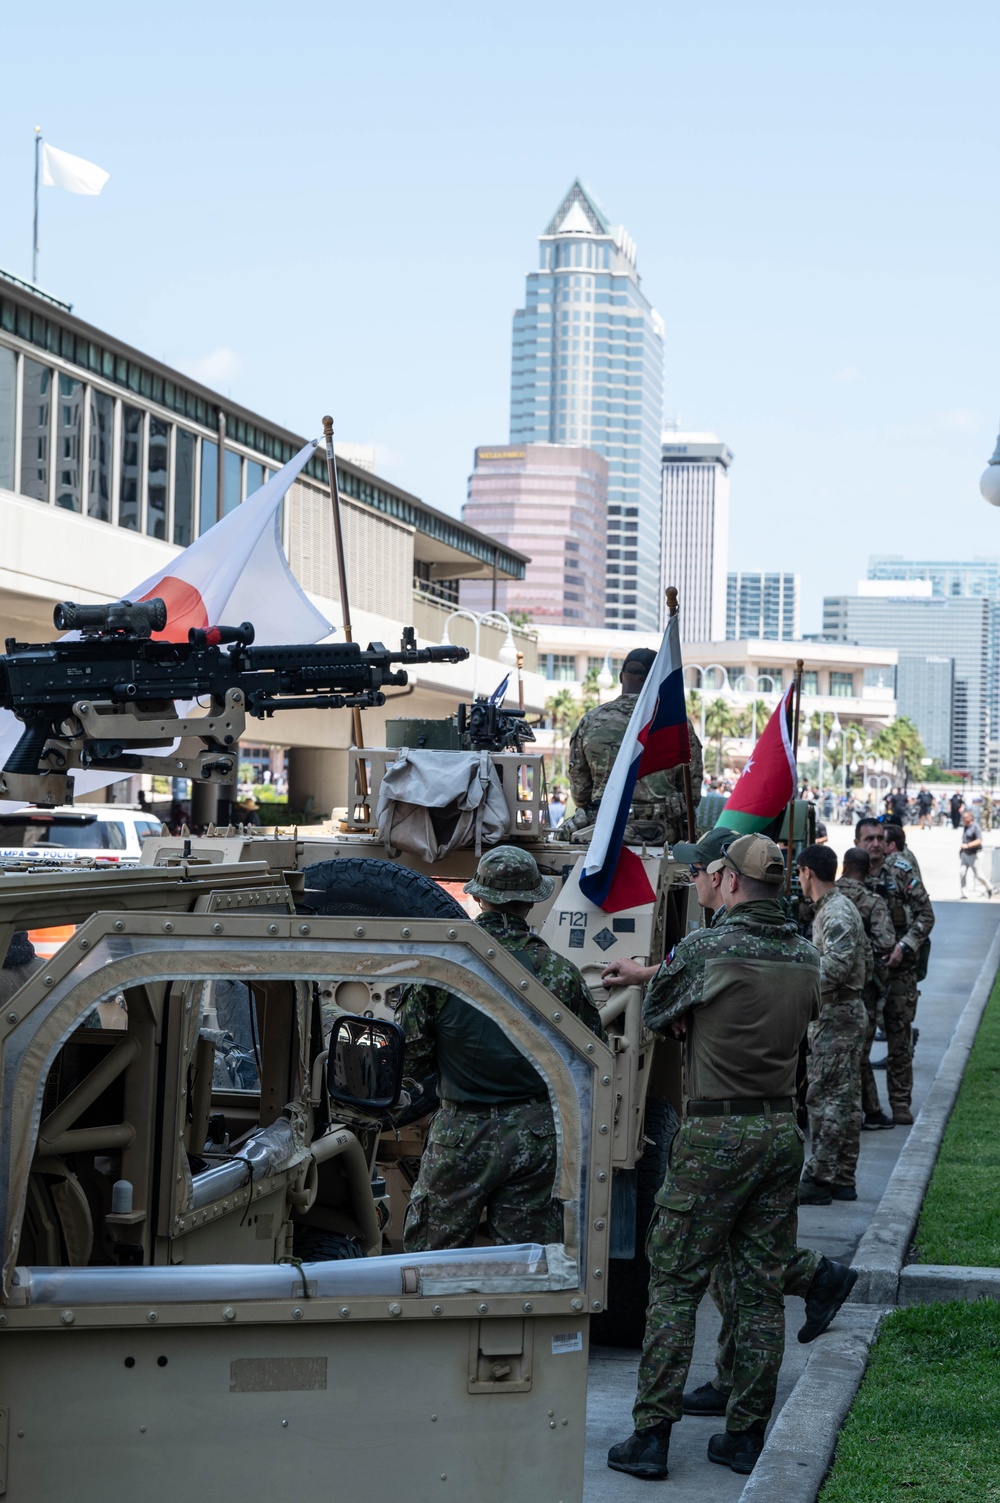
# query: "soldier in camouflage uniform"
[[896, 847], [881, 938], [658, 804], [741, 993], [492, 1144], [912, 920], [836, 1038]]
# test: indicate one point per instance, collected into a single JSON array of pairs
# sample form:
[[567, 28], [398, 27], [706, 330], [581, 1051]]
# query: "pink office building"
[[549, 501]]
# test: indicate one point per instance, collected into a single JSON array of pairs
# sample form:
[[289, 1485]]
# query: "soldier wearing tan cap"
[[741, 993]]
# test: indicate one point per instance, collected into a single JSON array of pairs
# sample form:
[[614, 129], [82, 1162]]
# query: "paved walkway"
[[962, 937]]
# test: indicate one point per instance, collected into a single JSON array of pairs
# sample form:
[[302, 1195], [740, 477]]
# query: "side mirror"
[[365, 1066]]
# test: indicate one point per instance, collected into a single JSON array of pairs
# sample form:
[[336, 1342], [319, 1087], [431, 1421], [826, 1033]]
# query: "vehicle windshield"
[[68, 831]]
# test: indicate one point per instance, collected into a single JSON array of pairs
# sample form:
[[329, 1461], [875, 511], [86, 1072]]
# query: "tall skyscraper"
[[763, 605], [587, 369], [695, 540], [975, 576], [551, 502]]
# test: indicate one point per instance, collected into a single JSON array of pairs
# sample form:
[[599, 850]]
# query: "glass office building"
[[587, 369], [759, 604]]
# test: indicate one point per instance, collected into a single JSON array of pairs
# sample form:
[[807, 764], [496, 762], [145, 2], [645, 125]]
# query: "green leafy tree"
[[720, 722], [564, 711], [899, 743], [591, 693]]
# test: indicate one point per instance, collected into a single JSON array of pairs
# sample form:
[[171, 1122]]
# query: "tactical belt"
[[483, 1108], [740, 1106]]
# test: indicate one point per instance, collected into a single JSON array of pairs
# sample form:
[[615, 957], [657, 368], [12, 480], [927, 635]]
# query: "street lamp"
[[836, 729], [755, 681], [507, 653], [606, 679], [724, 688]]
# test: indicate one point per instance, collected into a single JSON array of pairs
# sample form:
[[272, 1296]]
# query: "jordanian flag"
[[767, 783]]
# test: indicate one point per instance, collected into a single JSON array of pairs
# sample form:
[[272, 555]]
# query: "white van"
[[105, 832]]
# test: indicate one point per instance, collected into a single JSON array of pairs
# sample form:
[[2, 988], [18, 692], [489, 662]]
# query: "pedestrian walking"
[[955, 806], [736, 1159], [972, 844]]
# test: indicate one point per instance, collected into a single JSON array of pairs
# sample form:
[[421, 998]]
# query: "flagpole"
[[672, 609], [338, 534], [796, 707], [34, 237]]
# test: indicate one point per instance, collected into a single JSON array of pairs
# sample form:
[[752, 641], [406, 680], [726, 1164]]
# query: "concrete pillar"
[[318, 773]]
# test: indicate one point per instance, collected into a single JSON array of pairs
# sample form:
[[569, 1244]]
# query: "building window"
[[208, 515], [69, 443], [231, 482], [131, 467], [255, 476], [102, 416], [841, 684], [810, 681], [35, 415], [8, 388], [560, 667], [184, 453], [156, 487]]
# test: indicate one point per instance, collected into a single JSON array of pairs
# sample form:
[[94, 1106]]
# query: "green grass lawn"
[[960, 1219], [925, 1425]]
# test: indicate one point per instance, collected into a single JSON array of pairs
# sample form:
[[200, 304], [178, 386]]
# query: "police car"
[[102, 832]]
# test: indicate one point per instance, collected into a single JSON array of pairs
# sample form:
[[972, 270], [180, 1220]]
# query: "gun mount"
[[108, 699]]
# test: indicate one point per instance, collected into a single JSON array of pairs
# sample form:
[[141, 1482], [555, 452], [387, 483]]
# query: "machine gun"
[[485, 726], [106, 699]]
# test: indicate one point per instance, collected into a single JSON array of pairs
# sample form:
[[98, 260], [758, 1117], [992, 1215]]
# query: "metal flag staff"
[[34, 238], [796, 707], [338, 534], [672, 609]]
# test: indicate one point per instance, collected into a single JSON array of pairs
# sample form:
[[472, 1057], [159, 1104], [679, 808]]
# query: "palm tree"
[[564, 710], [591, 693], [720, 722], [899, 743]]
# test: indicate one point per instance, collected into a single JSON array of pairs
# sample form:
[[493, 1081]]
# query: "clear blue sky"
[[322, 207]]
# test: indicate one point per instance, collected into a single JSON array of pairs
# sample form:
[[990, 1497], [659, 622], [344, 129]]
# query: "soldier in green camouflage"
[[836, 1037], [658, 803], [896, 848], [881, 937], [912, 920], [492, 1145], [741, 993]]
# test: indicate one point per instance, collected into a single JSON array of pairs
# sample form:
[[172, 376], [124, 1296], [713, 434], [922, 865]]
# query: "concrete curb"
[[885, 1244], [801, 1444], [800, 1447]]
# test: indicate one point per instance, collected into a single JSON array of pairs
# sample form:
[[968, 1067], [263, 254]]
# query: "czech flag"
[[767, 783], [656, 739]]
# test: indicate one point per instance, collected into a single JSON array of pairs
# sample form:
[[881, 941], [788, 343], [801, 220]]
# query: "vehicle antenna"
[[338, 534]]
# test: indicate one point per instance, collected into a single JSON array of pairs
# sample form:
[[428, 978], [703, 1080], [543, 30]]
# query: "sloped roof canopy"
[[579, 214]]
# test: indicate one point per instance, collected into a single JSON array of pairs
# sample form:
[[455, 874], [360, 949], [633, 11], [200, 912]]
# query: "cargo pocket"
[[669, 1225], [449, 1131]]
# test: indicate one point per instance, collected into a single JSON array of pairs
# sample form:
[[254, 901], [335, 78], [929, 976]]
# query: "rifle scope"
[[133, 618]]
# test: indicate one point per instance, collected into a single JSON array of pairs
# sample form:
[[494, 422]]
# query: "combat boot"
[[812, 1192], [706, 1400], [832, 1283], [644, 1454], [877, 1121], [738, 1449]]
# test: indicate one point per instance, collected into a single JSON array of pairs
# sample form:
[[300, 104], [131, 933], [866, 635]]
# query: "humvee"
[[200, 1274]]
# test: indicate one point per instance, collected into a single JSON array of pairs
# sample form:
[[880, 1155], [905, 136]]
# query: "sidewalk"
[[962, 937]]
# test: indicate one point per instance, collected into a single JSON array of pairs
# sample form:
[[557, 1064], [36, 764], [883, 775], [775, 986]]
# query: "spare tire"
[[358, 887]]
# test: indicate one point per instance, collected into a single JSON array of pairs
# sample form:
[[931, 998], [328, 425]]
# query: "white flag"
[[62, 170]]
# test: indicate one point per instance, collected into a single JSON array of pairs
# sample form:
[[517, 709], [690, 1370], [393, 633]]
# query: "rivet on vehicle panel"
[[527, 1307], [605, 1080], [3, 1320], [118, 924], [490, 954], [229, 1313], [564, 1422], [296, 1313], [216, 928], [576, 1304], [557, 1017], [12, 1017], [433, 1419], [303, 928], [603, 1127], [85, 944], [590, 1048], [168, 927], [284, 1424], [50, 981], [444, 1476], [345, 1310], [142, 1429], [483, 1308], [552, 1424], [596, 1305], [598, 1226], [272, 928], [152, 1317], [523, 985], [360, 931], [395, 1309], [20, 1434], [437, 1310], [452, 933], [405, 933], [552, 1414], [602, 1177], [598, 1273], [67, 1317]]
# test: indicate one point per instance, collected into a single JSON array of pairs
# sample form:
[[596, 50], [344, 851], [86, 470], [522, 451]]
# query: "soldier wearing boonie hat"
[[492, 1145], [659, 811], [742, 993]]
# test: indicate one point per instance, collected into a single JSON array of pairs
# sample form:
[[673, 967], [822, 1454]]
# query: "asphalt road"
[[962, 936]]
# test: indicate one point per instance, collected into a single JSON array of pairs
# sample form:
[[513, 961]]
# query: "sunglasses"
[[697, 871]]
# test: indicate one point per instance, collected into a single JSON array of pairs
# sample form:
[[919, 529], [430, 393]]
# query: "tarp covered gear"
[[433, 802]]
